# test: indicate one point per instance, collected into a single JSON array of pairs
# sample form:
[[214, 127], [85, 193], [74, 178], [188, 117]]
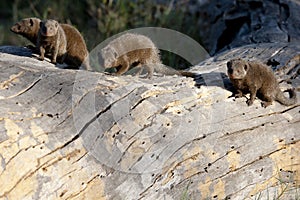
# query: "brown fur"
[[135, 50], [77, 53], [257, 79]]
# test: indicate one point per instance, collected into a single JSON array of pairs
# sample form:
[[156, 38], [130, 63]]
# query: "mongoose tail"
[[163, 69], [287, 101], [188, 74]]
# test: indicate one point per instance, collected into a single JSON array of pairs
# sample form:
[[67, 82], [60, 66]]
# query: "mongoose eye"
[[229, 64]]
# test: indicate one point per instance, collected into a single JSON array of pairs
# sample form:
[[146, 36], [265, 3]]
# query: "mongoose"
[[52, 40], [257, 78], [135, 50], [77, 53]]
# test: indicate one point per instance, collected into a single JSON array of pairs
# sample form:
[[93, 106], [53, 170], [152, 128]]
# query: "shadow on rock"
[[18, 51]]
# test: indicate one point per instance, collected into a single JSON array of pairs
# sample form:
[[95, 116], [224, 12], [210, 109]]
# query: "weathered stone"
[[69, 134]]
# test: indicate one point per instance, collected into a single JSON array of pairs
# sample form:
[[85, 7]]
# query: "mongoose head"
[[237, 68], [109, 56], [49, 27], [26, 26]]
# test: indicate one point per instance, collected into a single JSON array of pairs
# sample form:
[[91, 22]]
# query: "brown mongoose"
[[52, 40], [257, 79], [77, 53], [135, 50]]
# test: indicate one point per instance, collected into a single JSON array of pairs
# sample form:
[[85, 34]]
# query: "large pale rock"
[[69, 134]]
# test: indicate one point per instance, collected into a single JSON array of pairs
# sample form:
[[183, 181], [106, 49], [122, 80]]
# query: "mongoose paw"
[[249, 102], [148, 76], [239, 95], [41, 58], [53, 61], [32, 48], [107, 73], [232, 95], [116, 74], [265, 104]]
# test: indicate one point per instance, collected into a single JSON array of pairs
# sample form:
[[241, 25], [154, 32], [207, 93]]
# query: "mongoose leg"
[[150, 69], [42, 51], [266, 103], [139, 71], [253, 92], [267, 100], [54, 56], [238, 94], [123, 69]]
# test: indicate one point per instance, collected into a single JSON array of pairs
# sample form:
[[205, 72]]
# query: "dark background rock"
[[227, 24]]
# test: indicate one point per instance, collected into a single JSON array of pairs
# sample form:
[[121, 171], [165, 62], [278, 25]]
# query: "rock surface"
[[69, 134]]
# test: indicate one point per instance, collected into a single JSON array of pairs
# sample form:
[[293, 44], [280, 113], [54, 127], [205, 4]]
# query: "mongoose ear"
[[41, 24], [31, 22], [246, 67], [56, 24], [114, 52]]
